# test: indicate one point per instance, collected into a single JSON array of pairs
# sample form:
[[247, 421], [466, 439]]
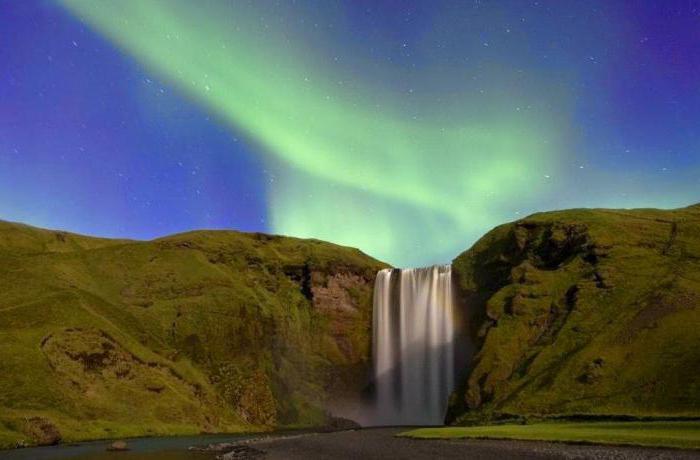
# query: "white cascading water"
[[414, 345]]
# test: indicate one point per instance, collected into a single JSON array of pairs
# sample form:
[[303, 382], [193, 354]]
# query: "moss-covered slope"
[[591, 312], [200, 332]]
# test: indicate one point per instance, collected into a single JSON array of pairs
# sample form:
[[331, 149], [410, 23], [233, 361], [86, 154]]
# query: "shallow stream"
[[166, 448]]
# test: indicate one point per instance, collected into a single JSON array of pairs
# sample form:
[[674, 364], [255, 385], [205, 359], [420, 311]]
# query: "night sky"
[[404, 128]]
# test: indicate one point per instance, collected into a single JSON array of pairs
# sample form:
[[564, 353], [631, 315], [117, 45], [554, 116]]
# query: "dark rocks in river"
[[228, 450], [241, 451]]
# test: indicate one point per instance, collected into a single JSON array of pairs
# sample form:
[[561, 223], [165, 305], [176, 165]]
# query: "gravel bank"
[[380, 443]]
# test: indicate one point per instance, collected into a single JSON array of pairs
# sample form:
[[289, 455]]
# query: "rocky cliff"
[[592, 312], [206, 331]]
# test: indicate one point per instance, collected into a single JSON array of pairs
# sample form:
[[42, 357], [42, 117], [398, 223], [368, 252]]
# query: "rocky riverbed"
[[369, 443]]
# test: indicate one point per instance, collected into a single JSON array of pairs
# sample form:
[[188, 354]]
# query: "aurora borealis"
[[406, 129]]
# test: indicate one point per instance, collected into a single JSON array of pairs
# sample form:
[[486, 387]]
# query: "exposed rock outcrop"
[[41, 431]]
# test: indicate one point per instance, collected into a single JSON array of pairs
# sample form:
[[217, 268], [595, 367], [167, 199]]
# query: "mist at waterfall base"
[[419, 346]]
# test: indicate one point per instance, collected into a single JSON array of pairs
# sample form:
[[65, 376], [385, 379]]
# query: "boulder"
[[42, 431], [118, 446]]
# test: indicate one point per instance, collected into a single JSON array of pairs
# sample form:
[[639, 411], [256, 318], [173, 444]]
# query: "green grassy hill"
[[206, 331], [579, 312], [593, 312]]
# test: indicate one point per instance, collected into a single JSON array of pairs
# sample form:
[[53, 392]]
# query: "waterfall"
[[414, 340]]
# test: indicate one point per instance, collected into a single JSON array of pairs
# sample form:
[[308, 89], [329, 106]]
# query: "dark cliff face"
[[199, 332], [584, 312]]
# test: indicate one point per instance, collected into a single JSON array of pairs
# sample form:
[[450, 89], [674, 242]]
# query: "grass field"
[[659, 434]]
